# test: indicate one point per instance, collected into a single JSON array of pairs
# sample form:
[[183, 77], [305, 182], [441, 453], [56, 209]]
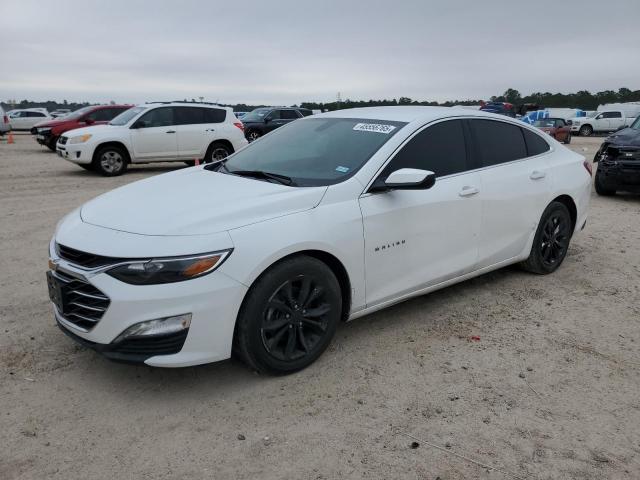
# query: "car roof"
[[409, 113], [183, 104]]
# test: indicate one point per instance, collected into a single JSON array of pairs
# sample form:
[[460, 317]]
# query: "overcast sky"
[[289, 51]]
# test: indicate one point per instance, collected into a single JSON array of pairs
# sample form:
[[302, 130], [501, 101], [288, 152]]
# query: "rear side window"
[[274, 115], [439, 148], [612, 115], [35, 114], [498, 142], [214, 115], [535, 143], [188, 115], [158, 117], [289, 114]]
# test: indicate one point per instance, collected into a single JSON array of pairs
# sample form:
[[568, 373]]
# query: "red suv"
[[47, 133]]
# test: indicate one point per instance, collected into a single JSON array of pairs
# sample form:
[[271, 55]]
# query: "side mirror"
[[569, 122], [267, 119], [621, 127], [407, 179], [139, 124]]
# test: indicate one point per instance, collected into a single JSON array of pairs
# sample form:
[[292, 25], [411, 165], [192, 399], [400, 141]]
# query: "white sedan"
[[326, 219]]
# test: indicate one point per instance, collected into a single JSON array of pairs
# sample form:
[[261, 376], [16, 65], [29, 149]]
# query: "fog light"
[[159, 326]]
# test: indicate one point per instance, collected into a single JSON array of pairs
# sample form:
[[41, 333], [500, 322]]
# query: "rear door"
[[190, 128], [515, 187], [417, 238], [155, 138]]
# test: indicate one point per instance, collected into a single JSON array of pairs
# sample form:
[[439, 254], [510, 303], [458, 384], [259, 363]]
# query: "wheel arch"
[[223, 141], [113, 143], [568, 202], [331, 261]]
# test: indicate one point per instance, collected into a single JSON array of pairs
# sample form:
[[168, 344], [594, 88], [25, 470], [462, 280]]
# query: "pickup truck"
[[600, 122]]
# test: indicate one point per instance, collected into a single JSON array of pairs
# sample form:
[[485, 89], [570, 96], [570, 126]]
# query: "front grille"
[[63, 140], [153, 345], [84, 259], [81, 303]]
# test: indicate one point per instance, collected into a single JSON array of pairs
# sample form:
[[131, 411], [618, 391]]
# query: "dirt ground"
[[535, 376]]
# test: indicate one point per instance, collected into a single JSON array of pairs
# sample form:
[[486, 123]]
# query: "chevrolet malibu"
[[326, 219]]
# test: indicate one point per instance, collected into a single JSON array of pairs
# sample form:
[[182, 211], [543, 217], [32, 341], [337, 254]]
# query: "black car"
[[619, 162], [263, 120]]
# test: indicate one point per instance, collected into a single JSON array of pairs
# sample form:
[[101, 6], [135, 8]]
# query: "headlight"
[[575, 122], [80, 138], [169, 270], [44, 130]]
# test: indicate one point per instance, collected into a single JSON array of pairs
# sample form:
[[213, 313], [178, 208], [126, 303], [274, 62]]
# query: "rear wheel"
[[110, 161], [567, 139], [585, 130], [289, 316], [551, 241], [601, 189], [216, 152]]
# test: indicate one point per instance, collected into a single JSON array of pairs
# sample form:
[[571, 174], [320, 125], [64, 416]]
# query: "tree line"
[[582, 99]]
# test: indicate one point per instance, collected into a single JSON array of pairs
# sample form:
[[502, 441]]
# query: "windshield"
[[77, 113], [636, 124], [256, 115], [544, 123], [316, 151], [126, 116]]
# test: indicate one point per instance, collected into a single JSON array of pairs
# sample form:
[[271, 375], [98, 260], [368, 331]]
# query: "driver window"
[[159, 117], [439, 148]]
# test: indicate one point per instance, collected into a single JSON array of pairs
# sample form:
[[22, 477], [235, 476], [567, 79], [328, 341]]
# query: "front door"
[[418, 238], [155, 136]]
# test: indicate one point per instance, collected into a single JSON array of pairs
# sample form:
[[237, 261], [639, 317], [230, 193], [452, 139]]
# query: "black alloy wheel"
[[551, 240], [295, 319], [289, 316]]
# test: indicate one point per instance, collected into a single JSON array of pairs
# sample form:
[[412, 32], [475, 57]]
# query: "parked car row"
[[154, 132], [263, 253]]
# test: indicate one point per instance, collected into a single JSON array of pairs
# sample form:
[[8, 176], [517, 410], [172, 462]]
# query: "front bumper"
[[76, 153], [213, 300]]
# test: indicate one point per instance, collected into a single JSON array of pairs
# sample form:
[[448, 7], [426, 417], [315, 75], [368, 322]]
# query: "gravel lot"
[[549, 390]]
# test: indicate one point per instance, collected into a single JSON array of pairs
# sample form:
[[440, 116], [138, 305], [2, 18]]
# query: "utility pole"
[[338, 100]]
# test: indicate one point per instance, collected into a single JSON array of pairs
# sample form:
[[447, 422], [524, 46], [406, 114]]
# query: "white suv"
[[155, 132]]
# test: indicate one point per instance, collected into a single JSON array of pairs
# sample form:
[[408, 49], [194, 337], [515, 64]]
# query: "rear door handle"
[[210, 130], [170, 131], [537, 175], [467, 191]]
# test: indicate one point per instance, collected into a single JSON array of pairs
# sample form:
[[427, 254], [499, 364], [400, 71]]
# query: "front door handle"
[[170, 131], [537, 175], [468, 191], [210, 130]]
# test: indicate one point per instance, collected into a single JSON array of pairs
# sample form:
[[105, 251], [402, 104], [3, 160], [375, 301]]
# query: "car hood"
[[54, 123], [195, 201], [92, 129], [627, 136]]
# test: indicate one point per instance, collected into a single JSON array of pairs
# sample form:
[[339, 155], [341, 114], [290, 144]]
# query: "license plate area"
[[56, 294]]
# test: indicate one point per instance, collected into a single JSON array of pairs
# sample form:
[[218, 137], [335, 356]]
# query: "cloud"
[[286, 51]]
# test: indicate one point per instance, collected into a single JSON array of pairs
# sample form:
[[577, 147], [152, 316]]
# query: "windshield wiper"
[[282, 179]]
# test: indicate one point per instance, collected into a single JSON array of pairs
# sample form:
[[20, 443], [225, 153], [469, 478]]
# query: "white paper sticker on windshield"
[[374, 127]]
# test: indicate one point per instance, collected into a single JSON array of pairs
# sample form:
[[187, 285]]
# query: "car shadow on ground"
[[233, 374]]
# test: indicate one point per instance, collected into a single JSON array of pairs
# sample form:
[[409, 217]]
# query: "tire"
[[601, 189], [217, 151], [110, 160], [253, 135], [551, 240], [276, 332], [585, 130], [567, 140], [51, 144]]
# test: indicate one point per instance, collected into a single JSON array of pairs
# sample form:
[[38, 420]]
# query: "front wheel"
[[110, 161], [551, 241], [289, 316], [601, 189]]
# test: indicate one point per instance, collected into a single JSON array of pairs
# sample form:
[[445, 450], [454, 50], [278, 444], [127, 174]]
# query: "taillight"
[[6, 119], [240, 125], [588, 166]]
